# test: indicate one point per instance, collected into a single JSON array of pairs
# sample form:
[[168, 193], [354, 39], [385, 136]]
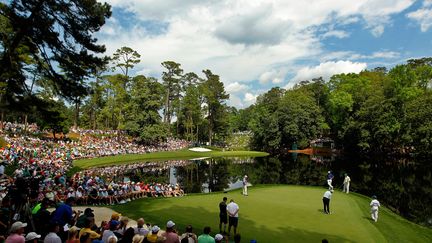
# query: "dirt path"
[[103, 213]]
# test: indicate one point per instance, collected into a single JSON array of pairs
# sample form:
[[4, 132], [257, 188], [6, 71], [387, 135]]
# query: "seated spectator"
[[127, 236], [189, 235], [219, 238], [73, 235], [138, 239], [87, 229], [141, 228], [113, 226], [17, 229], [52, 236], [153, 237], [171, 235], [205, 237], [32, 237]]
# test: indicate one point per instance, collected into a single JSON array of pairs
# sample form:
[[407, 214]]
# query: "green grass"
[[157, 156], [283, 214]]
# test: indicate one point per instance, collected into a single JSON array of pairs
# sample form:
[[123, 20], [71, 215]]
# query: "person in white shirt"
[[375, 204], [326, 201], [346, 183], [245, 182], [233, 209]]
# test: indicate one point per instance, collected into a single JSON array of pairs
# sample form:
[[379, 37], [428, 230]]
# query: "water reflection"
[[404, 186]]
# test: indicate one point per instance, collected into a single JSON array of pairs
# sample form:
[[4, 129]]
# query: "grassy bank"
[[157, 156], [283, 214]]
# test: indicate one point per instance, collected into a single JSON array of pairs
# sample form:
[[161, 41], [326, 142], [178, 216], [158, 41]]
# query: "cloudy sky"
[[258, 44]]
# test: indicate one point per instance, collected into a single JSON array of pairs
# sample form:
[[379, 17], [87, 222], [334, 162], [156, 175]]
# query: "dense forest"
[[53, 72]]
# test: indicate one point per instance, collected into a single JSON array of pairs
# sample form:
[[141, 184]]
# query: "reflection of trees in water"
[[191, 177]]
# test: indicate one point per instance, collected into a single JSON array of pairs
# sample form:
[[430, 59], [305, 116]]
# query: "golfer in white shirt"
[[346, 183]]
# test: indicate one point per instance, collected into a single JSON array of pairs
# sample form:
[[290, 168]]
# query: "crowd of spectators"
[[65, 224], [38, 168]]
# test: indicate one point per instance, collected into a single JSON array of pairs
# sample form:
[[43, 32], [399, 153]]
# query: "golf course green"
[[157, 156], [281, 213]]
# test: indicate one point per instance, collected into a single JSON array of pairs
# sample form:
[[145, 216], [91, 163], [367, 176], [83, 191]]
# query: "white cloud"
[[273, 76], [239, 40], [326, 70], [349, 55], [423, 16], [336, 33], [236, 87], [250, 98]]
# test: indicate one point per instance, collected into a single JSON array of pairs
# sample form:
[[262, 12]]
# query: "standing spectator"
[[171, 235], [189, 235], [65, 215], [52, 237], [375, 204], [17, 229], [346, 183], [42, 218], [233, 210], [223, 215], [245, 185], [88, 229], [205, 237], [326, 201], [330, 179]]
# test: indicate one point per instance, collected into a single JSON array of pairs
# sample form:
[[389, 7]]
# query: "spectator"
[[65, 215], [127, 236], [113, 226], [205, 237], [141, 228], [73, 235], [189, 235], [218, 238], [87, 229], [17, 229], [52, 236], [153, 237], [88, 213], [233, 209], [138, 239], [32, 237], [171, 234]]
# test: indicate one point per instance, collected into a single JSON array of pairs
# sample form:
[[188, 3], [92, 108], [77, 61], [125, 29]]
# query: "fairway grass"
[[158, 156], [272, 214]]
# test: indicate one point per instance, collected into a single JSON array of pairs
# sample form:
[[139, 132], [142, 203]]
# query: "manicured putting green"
[[157, 156], [283, 214]]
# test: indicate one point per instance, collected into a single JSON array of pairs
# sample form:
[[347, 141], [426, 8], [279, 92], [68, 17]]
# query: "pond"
[[404, 186]]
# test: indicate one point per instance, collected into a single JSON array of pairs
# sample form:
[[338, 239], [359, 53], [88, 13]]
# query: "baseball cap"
[[17, 225], [155, 229], [170, 224], [218, 237], [32, 236], [114, 223], [115, 215]]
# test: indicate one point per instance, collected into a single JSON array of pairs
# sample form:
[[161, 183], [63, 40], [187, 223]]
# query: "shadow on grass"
[[200, 217]]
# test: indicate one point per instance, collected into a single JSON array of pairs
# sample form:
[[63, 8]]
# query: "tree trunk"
[[76, 117], [167, 106], [25, 124], [2, 120]]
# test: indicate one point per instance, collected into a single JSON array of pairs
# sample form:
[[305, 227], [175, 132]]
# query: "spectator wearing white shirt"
[[326, 201], [375, 204], [233, 209], [245, 185]]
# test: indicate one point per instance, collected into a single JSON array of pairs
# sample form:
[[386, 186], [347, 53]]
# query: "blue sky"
[[258, 44]]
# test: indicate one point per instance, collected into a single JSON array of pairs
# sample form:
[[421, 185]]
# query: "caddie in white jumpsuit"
[[245, 182], [375, 204], [346, 183]]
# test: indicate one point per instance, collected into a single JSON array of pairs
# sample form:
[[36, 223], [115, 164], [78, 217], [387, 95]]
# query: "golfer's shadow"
[[321, 210]]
